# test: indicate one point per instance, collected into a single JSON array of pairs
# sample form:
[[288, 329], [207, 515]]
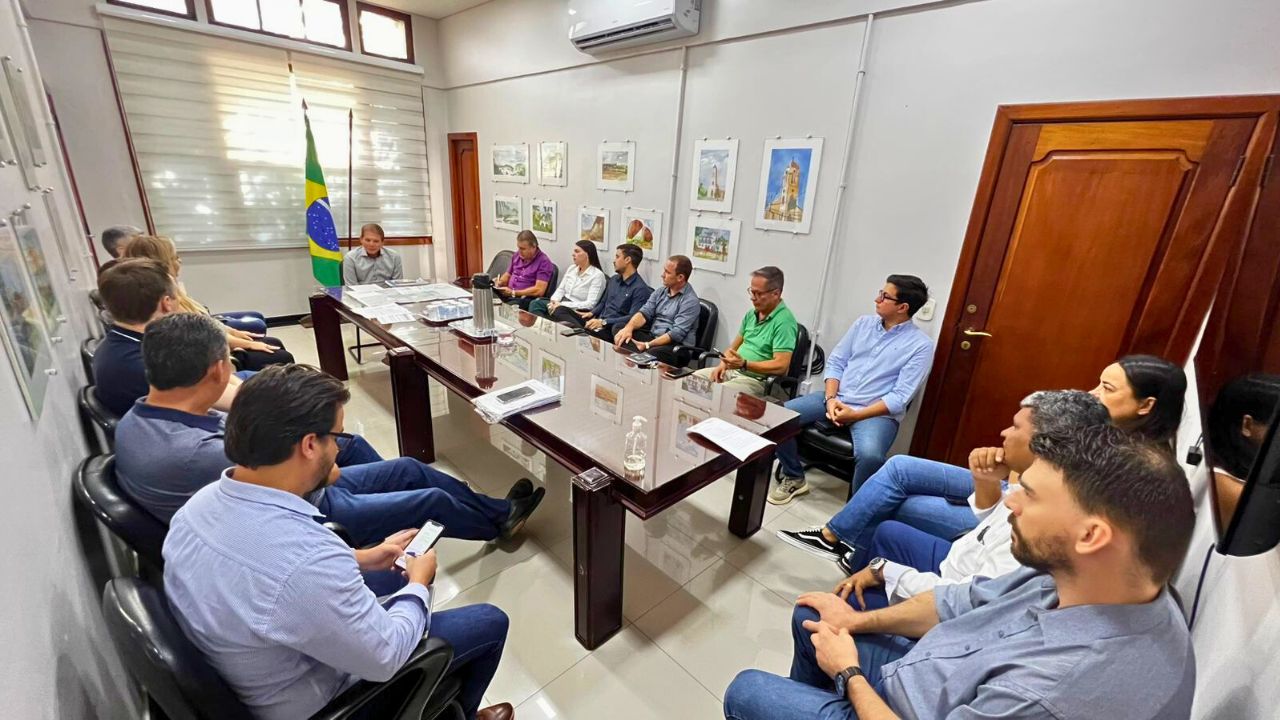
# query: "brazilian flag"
[[326, 257]]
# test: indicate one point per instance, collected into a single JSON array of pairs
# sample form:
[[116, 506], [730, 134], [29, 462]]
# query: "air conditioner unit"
[[600, 25]]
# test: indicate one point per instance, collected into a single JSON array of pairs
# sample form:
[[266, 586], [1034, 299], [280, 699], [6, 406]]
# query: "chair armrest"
[[704, 356], [341, 532], [430, 661], [789, 384]]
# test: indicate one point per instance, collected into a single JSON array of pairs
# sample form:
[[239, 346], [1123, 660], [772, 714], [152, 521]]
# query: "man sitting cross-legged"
[[171, 444], [1101, 521], [273, 600]]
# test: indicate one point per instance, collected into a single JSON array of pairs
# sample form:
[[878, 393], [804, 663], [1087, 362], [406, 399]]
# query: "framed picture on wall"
[[616, 165], [593, 225], [788, 184], [38, 271], [510, 163], [643, 228], [715, 165], [507, 212], [713, 243], [553, 163], [23, 333], [542, 218]]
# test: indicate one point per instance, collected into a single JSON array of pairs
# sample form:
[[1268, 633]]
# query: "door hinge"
[[1235, 175]]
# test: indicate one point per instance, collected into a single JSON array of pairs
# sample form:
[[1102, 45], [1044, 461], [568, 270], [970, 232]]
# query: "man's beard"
[[322, 479], [1046, 555]]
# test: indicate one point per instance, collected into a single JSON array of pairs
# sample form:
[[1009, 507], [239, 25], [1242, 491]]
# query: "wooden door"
[[1100, 229], [464, 176]]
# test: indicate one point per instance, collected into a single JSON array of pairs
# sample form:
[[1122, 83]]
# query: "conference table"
[[602, 391]]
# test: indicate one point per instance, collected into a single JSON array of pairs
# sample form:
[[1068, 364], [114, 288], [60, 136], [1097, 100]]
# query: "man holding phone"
[[275, 601], [765, 341]]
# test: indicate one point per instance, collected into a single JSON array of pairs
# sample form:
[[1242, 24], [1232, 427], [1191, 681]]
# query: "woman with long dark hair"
[[579, 289], [1238, 422], [1145, 395]]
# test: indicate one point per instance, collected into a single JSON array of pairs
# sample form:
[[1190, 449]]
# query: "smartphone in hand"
[[426, 539]]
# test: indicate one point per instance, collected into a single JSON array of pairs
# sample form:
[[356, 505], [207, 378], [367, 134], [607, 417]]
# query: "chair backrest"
[[554, 282], [96, 298], [708, 316], [800, 355], [500, 263], [158, 653], [87, 350], [96, 415], [97, 489]]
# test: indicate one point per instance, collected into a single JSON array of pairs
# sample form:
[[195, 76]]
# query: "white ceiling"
[[431, 8]]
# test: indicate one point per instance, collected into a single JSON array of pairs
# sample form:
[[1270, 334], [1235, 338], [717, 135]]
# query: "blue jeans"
[[908, 546], [356, 451], [377, 499], [478, 634], [246, 320], [917, 492], [872, 439]]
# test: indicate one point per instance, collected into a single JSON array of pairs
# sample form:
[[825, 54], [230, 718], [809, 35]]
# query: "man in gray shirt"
[[1087, 629], [371, 262], [668, 318]]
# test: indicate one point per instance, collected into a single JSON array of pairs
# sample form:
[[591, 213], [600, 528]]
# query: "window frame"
[[407, 19], [137, 5], [342, 5]]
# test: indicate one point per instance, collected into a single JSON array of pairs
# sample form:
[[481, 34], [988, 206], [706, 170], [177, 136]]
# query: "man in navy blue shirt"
[[135, 292], [171, 444], [624, 294]]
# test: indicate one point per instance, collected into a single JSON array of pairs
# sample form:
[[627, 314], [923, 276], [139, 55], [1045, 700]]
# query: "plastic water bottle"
[[633, 453]]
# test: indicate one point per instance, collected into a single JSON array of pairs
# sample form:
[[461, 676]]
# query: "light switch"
[[925, 313]]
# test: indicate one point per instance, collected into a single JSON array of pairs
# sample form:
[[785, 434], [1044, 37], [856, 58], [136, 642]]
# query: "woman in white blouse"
[[579, 289]]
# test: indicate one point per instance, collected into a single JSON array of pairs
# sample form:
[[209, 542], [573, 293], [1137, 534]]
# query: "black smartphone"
[[426, 539], [643, 359], [678, 372], [513, 395], [570, 331]]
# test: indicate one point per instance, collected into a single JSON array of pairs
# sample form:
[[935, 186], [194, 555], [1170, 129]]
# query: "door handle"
[[976, 333]]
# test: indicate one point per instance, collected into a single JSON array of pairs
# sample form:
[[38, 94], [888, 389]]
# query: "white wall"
[[68, 39], [935, 77], [56, 660]]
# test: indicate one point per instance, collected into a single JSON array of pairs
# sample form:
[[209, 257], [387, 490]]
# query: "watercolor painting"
[[788, 183], [510, 163], [23, 333], [643, 228], [715, 163], [553, 163], [507, 211], [615, 166], [713, 243], [542, 218], [593, 225]]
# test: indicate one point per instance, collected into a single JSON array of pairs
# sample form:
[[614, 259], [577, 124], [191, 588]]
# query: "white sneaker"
[[787, 490]]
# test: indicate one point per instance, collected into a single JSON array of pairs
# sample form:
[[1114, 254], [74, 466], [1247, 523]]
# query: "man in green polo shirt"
[[765, 340]]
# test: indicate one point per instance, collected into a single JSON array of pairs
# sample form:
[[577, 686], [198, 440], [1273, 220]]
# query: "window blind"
[[217, 132]]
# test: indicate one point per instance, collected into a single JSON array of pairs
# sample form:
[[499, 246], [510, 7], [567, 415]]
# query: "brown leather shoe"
[[501, 711]]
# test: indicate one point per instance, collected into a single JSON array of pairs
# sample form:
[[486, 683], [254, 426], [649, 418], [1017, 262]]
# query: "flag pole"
[[351, 191]]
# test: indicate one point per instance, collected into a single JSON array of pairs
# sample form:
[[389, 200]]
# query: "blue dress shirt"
[[621, 299], [1005, 650], [873, 364], [276, 601], [674, 315]]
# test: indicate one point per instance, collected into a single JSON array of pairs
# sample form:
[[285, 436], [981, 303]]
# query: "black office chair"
[[180, 682], [782, 386], [96, 489], [554, 282], [98, 422], [500, 263], [704, 335], [96, 298], [87, 350]]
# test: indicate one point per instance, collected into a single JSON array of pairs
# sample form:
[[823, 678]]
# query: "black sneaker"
[[523, 488], [521, 509], [847, 561], [812, 542]]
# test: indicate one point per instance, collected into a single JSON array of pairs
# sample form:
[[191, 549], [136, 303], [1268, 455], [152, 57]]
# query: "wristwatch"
[[844, 676], [876, 566]]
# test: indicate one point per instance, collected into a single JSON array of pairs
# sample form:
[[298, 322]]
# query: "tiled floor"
[[700, 603]]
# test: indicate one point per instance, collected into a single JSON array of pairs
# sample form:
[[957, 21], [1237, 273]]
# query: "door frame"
[[458, 197], [1229, 231]]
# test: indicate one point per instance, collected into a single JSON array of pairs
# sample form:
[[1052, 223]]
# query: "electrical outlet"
[[925, 313]]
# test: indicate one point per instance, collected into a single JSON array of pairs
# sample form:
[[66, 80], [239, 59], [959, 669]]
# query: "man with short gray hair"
[[116, 237], [765, 340]]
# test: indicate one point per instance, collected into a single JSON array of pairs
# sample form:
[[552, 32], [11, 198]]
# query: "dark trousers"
[[256, 359], [664, 353]]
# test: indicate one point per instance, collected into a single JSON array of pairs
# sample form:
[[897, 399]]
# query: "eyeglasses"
[[754, 294], [338, 435], [882, 296]]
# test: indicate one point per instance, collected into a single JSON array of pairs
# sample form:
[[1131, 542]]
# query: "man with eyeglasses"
[[765, 341], [870, 378], [171, 444]]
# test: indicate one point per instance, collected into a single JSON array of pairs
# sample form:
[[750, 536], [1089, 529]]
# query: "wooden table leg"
[[412, 400], [325, 324], [599, 523], [749, 492]]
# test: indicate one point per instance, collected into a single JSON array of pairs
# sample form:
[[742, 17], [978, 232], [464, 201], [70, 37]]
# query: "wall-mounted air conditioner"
[[599, 25]]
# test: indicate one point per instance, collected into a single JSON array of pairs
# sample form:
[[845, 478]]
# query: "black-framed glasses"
[[754, 294], [338, 435], [882, 295]]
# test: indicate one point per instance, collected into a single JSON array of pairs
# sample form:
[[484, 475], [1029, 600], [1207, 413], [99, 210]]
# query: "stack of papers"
[[385, 314], [429, 293], [370, 294], [730, 438], [493, 410]]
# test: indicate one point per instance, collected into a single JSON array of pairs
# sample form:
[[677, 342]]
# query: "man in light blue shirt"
[[668, 318], [274, 600], [1088, 629], [871, 377], [371, 263]]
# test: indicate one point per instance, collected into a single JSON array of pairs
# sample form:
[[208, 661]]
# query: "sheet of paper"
[[364, 289], [389, 313], [730, 438], [428, 293]]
